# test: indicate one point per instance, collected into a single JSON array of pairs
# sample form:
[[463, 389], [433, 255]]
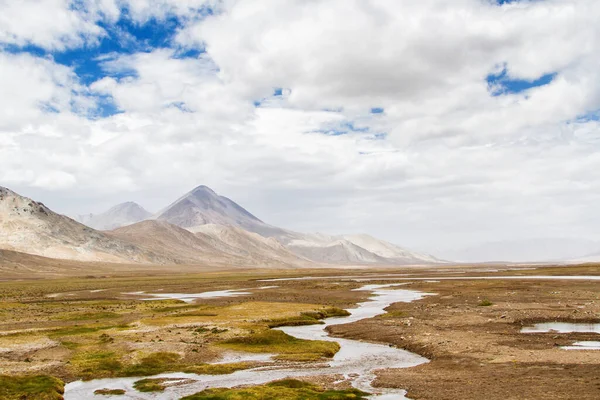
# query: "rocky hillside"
[[31, 227]]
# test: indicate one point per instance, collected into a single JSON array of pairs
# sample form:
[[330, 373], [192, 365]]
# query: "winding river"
[[357, 361]]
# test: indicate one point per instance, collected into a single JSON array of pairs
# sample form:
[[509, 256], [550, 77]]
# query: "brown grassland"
[[83, 327]]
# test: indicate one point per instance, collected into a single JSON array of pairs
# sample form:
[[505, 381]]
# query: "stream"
[[357, 361]]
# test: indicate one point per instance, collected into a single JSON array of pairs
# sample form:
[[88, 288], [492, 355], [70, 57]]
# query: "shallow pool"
[[562, 327]]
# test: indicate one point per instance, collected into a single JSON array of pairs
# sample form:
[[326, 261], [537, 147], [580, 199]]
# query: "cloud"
[[54, 24], [273, 106]]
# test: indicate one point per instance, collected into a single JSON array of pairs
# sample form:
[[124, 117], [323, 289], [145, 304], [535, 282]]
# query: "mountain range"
[[30, 227], [199, 227], [120, 215]]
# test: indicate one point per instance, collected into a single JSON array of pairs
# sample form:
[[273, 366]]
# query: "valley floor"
[[99, 326]]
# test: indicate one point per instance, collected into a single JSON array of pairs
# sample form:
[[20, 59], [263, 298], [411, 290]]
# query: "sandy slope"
[[210, 243], [31, 227]]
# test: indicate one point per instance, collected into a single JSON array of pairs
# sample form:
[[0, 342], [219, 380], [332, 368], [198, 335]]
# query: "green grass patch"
[[308, 318], [155, 363], [274, 341], [31, 388], [149, 385], [198, 313], [88, 316], [289, 389], [485, 303], [105, 364], [98, 364], [70, 345], [82, 330], [109, 392]]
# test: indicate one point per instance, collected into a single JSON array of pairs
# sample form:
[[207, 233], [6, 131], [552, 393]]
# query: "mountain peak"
[[202, 205], [128, 205], [202, 189], [120, 215]]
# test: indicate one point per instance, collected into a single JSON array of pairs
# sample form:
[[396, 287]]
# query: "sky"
[[434, 124]]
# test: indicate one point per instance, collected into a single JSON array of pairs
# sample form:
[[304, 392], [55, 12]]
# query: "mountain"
[[210, 243], [335, 252], [239, 242], [389, 251], [352, 249], [83, 218], [531, 250], [202, 206], [120, 215], [31, 227]]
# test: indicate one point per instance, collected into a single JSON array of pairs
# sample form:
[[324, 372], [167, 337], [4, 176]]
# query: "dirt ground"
[[478, 352], [61, 327]]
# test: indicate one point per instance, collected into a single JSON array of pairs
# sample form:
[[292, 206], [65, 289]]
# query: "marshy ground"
[[61, 330]]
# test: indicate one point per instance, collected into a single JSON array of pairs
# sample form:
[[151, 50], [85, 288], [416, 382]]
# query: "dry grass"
[[30, 388], [288, 389]]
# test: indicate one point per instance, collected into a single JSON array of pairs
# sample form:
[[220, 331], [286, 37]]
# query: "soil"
[[478, 351]]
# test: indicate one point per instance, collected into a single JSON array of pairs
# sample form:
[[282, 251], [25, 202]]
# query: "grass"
[[149, 385], [289, 389], [274, 341], [85, 316], [485, 303], [96, 329], [31, 388], [97, 364], [308, 318], [82, 330], [109, 392], [104, 364], [155, 363]]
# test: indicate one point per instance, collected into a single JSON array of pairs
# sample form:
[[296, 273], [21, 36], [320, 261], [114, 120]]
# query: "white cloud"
[[54, 24], [458, 165]]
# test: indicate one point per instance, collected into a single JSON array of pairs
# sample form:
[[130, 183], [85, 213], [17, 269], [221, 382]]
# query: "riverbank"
[[471, 332]]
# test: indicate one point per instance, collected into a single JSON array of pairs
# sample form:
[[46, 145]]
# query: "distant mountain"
[[202, 206], [390, 251], [209, 244], [83, 218], [335, 252], [352, 249], [242, 243], [225, 229], [531, 250], [120, 215], [31, 227]]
